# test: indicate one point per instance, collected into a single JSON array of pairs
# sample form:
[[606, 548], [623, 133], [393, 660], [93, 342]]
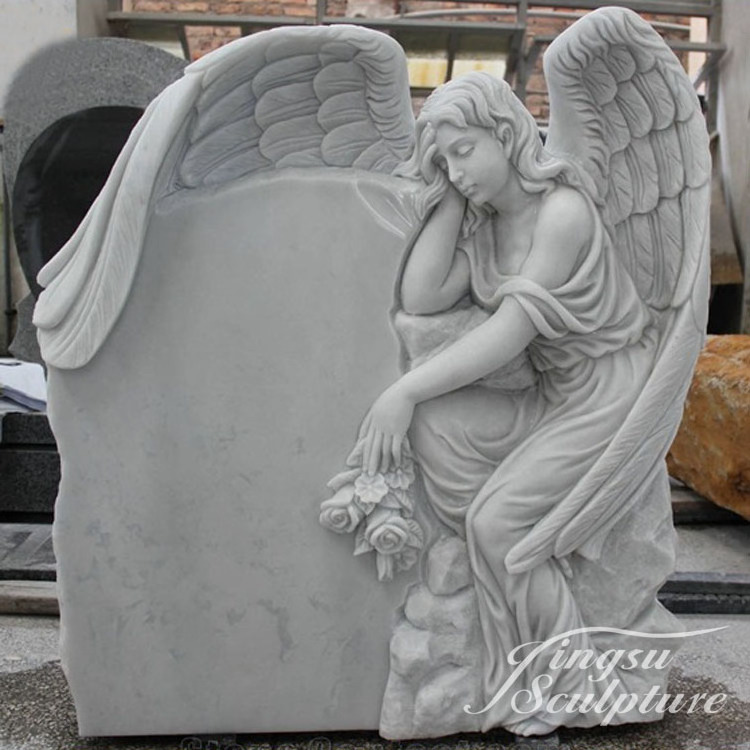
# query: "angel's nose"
[[454, 173]]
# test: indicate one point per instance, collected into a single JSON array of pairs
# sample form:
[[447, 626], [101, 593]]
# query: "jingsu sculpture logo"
[[598, 667]]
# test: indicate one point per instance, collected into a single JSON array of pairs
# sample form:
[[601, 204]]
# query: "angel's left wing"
[[333, 96], [624, 110]]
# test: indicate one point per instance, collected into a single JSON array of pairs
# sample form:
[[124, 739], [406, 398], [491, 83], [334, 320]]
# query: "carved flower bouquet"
[[380, 509]]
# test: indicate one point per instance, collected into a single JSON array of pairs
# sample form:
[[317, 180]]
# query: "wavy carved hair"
[[482, 100]]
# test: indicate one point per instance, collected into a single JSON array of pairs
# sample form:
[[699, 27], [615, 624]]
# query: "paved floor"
[[36, 710]]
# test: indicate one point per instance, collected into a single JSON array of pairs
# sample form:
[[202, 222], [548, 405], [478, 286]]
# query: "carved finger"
[[396, 450], [385, 454], [365, 426], [355, 457], [406, 447], [374, 449]]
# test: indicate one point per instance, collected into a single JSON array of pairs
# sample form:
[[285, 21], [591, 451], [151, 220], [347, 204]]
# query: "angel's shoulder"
[[565, 208], [565, 219], [564, 229]]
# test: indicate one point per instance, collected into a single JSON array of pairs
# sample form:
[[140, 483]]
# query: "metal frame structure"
[[522, 54]]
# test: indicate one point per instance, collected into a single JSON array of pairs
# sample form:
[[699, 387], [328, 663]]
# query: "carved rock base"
[[436, 651], [710, 452]]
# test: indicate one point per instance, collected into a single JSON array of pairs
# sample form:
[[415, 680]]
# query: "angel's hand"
[[383, 431]]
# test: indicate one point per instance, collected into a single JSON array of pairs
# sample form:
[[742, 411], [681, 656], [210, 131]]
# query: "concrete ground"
[[36, 710]]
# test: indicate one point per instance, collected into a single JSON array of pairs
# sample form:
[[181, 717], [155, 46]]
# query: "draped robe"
[[494, 464]]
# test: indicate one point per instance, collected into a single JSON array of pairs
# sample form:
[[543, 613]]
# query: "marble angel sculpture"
[[584, 260], [588, 254]]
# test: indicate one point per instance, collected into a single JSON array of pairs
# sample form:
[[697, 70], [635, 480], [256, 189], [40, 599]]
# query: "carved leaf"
[[407, 503], [361, 545], [416, 535]]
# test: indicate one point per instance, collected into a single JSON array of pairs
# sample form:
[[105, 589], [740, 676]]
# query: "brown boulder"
[[711, 452]]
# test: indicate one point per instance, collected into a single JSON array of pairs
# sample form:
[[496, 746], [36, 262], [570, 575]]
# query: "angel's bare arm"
[[436, 275], [563, 230]]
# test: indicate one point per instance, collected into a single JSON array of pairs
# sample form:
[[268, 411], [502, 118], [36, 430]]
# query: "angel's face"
[[475, 161]]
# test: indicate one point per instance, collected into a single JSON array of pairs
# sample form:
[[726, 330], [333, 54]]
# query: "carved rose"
[[340, 513], [388, 533]]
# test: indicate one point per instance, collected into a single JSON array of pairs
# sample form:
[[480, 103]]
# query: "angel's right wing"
[[623, 109]]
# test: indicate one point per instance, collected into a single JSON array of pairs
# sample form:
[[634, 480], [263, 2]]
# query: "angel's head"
[[479, 100]]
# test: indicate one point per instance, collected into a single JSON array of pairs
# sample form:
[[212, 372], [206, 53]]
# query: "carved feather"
[[655, 198], [341, 109], [645, 145], [653, 88], [600, 82], [691, 133], [620, 196], [616, 129], [669, 161], [303, 92], [644, 175], [635, 109], [620, 63], [268, 101]]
